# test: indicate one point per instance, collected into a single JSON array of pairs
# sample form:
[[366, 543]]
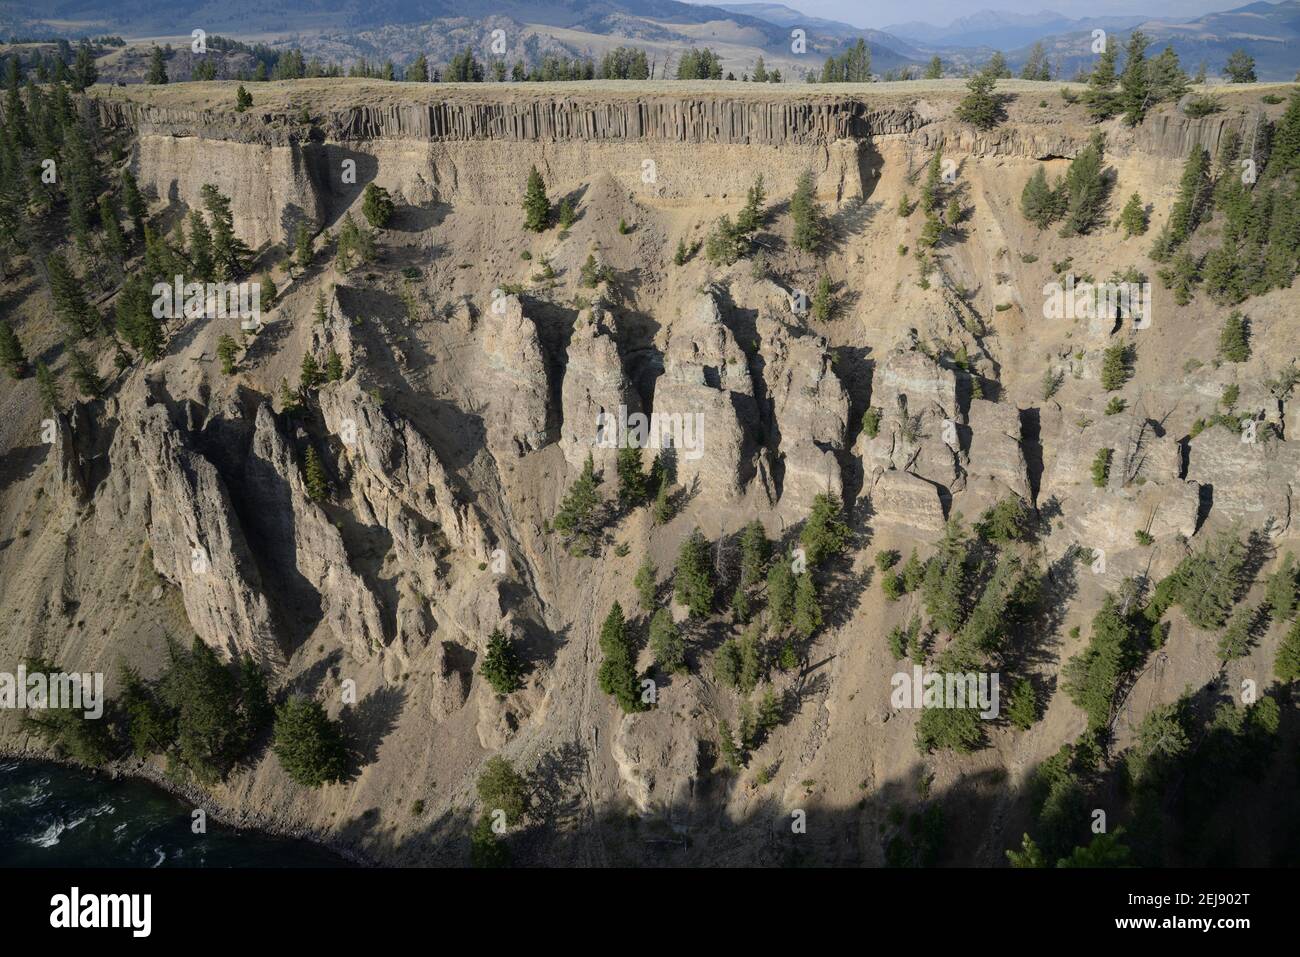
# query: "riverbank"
[[247, 824]]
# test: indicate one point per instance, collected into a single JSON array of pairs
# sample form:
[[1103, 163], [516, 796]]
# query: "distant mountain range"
[[740, 32], [1001, 30]]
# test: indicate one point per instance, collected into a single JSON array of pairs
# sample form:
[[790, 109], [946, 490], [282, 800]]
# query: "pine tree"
[[1240, 67], [780, 595], [682, 254], [316, 483], [114, 238], [644, 582], [1039, 202], [84, 375], [243, 99], [824, 535], [693, 576], [577, 518], [1135, 81], [229, 254], [1286, 664], [754, 550], [809, 221], [632, 488], [750, 217], [980, 107], [157, 74], [48, 388], [1101, 98], [70, 304], [665, 506], [807, 607], [135, 319], [537, 208], [823, 304], [309, 745], [1192, 193], [302, 246], [1022, 710], [376, 206], [311, 376], [617, 674], [1092, 677], [1234, 338], [1133, 218], [200, 253], [134, 203], [934, 70], [666, 642], [227, 349], [501, 665], [12, 356], [1116, 366], [334, 371], [1084, 189], [267, 294]]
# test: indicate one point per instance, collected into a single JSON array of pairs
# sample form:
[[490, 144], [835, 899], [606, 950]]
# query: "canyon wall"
[[281, 168]]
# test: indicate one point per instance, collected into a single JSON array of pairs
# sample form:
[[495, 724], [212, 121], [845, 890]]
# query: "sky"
[[879, 13]]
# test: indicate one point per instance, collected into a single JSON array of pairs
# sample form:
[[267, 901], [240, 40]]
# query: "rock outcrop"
[[399, 481], [197, 541], [706, 397], [1249, 482], [917, 399], [596, 394], [514, 380], [810, 412]]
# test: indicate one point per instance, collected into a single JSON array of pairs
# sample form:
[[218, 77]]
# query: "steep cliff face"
[[282, 168]]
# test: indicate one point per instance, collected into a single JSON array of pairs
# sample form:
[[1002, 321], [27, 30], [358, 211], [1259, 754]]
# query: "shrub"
[[1101, 467]]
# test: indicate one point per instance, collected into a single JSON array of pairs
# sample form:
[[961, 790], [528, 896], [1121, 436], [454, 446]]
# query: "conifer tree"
[[316, 483], [780, 594], [980, 107], [334, 371], [303, 254], [501, 665], [200, 254], [310, 376], [1133, 218], [824, 535], [806, 212], [1234, 341], [1135, 81], [1084, 189], [617, 675], [310, 745], [807, 607], [754, 549], [666, 642], [632, 486], [577, 518], [537, 208], [48, 389], [1101, 98], [157, 74], [70, 304], [12, 356], [135, 319], [114, 238], [1039, 202], [226, 352], [644, 582], [376, 206], [693, 577], [267, 294], [84, 375]]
